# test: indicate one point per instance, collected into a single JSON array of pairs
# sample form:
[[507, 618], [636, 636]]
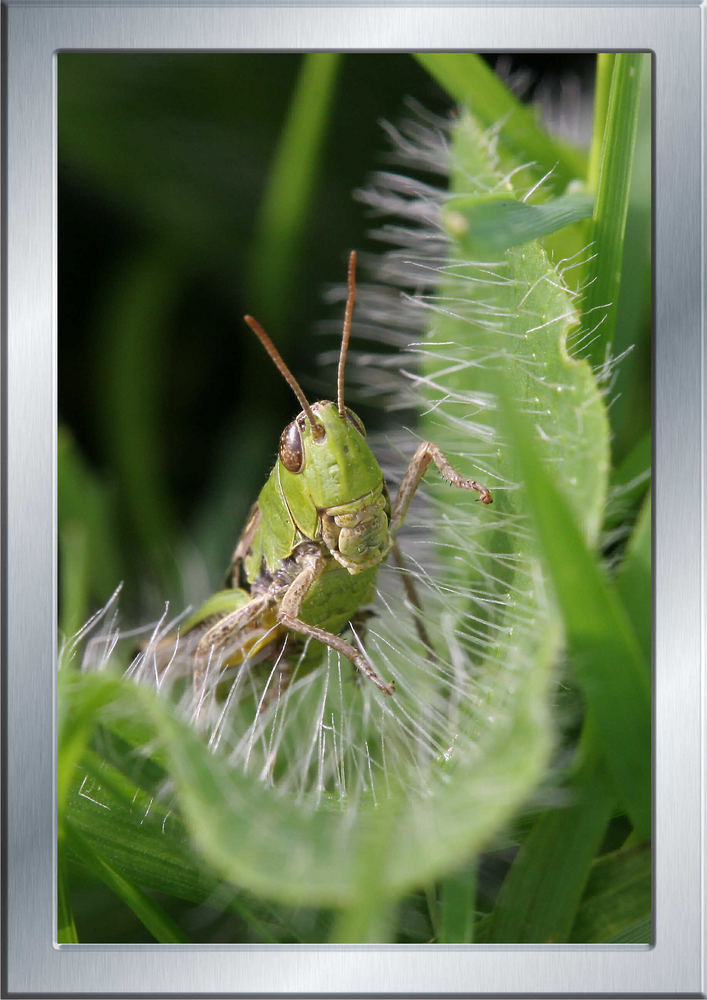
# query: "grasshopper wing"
[[236, 575]]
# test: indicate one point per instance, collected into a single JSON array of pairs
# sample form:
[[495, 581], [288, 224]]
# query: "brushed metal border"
[[32, 963]]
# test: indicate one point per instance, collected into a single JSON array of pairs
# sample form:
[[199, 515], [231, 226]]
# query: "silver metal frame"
[[674, 965]]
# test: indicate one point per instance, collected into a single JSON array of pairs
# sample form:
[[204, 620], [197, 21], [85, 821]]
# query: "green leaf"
[[513, 315], [76, 719], [489, 224], [90, 562], [155, 919], [253, 839], [629, 482], [631, 406], [633, 580], [540, 895], [132, 338], [140, 836], [457, 901], [471, 82], [74, 575], [639, 933], [66, 928], [602, 88], [605, 654], [617, 902], [612, 196]]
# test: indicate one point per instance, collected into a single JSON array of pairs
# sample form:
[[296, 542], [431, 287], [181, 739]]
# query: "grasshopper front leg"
[[216, 638], [289, 612], [428, 452]]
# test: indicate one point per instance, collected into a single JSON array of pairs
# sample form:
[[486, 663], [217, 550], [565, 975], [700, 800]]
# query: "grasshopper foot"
[[484, 495], [367, 670]]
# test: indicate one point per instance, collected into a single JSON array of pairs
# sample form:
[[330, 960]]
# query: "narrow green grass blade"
[[612, 197], [139, 835], [144, 840], [602, 87], [631, 409], [629, 483], [490, 224], [164, 863], [639, 933], [633, 580], [604, 651], [154, 917], [76, 719], [132, 339], [90, 563], [617, 902], [127, 825], [66, 927], [470, 81], [74, 575], [280, 227], [541, 893], [457, 902]]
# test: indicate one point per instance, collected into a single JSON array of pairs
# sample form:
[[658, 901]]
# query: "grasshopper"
[[323, 523]]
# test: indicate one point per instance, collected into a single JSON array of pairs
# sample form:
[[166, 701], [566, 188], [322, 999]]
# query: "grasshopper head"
[[333, 486], [329, 460]]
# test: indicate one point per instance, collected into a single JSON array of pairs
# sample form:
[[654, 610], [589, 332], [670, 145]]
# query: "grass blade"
[[612, 195], [602, 87], [66, 927], [541, 893], [155, 919], [90, 559], [639, 933], [457, 902], [132, 340], [288, 195], [633, 580], [605, 653], [629, 482], [617, 902], [74, 575]]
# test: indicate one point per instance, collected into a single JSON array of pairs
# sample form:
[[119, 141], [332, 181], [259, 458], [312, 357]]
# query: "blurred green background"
[[170, 412]]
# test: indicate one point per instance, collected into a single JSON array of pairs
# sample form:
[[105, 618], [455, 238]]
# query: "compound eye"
[[356, 421], [291, 450]]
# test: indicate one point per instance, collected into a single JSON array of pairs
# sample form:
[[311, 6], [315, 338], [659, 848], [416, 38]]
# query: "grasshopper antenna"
[[282, 368], [346, 334]]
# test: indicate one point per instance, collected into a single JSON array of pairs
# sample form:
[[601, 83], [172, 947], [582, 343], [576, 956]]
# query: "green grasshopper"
[[308, 557]]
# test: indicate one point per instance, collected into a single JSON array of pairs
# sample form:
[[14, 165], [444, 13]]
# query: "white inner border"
[[33, 964]]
